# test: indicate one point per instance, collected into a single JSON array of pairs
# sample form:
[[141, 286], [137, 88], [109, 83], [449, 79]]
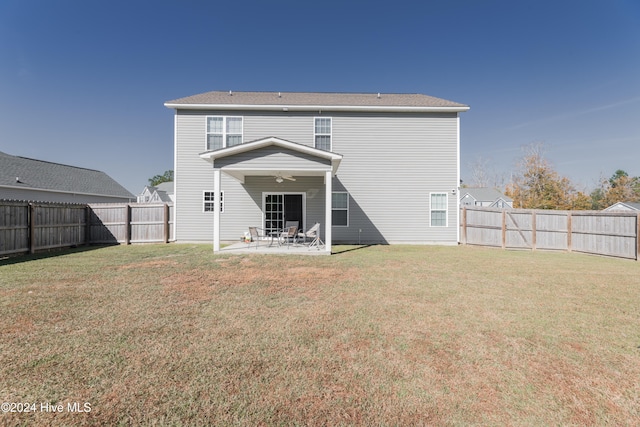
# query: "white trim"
[[216, 210], [175, 176], [253, 145], [398, 109], [341, 209], [328, 228], [446, 210], [224, 130], [330, 134], [457, 214]]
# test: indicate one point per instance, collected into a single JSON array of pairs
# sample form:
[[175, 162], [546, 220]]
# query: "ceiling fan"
[[280, 178]]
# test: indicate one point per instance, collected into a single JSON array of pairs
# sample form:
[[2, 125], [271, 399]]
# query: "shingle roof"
[[166, 186], [34, 174], [317, 99]]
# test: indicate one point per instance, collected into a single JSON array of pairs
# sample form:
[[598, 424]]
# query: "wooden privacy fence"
[[600, 233], [131, 223], [32, 226]]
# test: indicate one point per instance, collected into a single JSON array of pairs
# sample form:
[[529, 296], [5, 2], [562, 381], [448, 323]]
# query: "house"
[[370, 168], [22, 178], [623, 207], [161, 193], [483, 196]]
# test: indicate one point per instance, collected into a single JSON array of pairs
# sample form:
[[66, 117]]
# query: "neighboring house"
[[22, 178], [161, 193], [370, 168], [484, 196], [623, 207]]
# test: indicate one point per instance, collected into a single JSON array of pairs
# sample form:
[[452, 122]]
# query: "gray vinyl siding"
[[390, 167], [391, 164]]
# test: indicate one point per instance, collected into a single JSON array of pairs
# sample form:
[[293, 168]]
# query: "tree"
[[483, 174], [158, 179], [619, 188], [536, 185]]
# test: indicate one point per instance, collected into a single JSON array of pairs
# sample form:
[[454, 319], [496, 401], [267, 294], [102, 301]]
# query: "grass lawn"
[[383, 335]]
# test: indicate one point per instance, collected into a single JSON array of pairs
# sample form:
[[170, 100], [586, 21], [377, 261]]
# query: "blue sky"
[[84, 82]]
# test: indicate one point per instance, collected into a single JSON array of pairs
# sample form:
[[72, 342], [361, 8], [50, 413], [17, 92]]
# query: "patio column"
[[327, 215], [216, 210]]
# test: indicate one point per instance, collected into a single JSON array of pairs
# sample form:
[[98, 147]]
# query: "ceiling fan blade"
[[290, 178]]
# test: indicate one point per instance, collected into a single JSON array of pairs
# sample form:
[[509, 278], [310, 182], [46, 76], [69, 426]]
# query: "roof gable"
[[266, 142], [306, 152]]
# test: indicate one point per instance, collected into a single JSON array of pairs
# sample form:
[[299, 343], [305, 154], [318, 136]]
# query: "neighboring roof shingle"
[[22, 172], [316, 99]]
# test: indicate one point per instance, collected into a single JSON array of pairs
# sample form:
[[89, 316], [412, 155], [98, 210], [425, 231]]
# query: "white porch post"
[[216, 210], [327, 215]]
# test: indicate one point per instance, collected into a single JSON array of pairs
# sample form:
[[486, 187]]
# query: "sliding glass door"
[[280, 208]]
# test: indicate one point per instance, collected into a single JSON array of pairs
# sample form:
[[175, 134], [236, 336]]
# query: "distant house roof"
[[484, 194], [624, 206], [302, 101], [163, 190], [32, 174], [167, 187]]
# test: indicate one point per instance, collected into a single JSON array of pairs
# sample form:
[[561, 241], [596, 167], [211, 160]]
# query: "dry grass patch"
[[386, 335]]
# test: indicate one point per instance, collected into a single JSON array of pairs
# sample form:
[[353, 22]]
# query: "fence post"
[[533, 230], [637, 236], [32, 228], [87, 225], [504, 228], [569, 227], [166, 223], [127, 227], [464, 225]]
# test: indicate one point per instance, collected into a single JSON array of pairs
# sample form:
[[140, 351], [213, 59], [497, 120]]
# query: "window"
[[340, 209], [322, 133], [438, 209], [223, 132], [208, 200]]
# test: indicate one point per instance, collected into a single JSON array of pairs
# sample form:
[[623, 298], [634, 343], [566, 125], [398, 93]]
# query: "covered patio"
[[277, 160]]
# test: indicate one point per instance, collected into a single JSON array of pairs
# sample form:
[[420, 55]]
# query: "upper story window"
[[322, 133], [223, 131]]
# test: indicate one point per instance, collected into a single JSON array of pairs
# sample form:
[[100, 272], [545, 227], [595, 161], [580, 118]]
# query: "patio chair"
[[288, 235], [257, 234], [314, 234]]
